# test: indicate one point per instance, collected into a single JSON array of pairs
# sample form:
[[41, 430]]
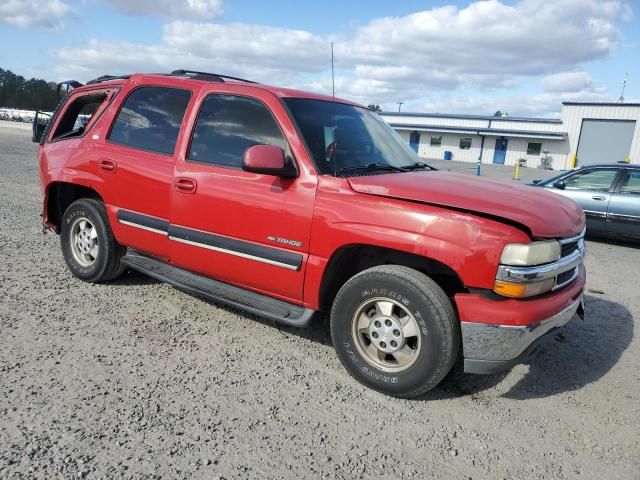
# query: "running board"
[[193, 283]]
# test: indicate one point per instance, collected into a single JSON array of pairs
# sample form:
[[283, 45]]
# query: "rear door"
[[242, 228], [591, 188], [136, 162], [623, 214]]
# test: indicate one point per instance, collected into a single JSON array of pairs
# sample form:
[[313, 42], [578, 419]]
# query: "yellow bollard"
[[517, 175], [628, 159], [573, 160]]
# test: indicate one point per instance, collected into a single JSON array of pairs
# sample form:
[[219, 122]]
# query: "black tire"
[[438, 326], [106, 265]]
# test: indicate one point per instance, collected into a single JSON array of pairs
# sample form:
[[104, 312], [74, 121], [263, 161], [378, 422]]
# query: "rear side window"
[[632, 185], [228, 125], [150, 119], [78, 115]]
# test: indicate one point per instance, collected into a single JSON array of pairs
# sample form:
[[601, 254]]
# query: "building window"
[[436, 141], [465, 143], [534, 148]]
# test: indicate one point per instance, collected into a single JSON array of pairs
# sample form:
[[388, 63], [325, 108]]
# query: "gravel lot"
[[134, 379]]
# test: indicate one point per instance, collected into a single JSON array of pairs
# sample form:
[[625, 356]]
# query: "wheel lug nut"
[[377, 324], [374, 335], [394, 344], [396, 333], [383, 345], [387, 323]]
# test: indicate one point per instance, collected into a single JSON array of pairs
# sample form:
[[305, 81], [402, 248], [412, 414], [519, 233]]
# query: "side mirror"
[[268, 160], [38, 125], [559, 184]]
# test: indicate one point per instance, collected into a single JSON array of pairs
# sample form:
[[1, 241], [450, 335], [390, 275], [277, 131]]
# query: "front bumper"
[[511, 329]]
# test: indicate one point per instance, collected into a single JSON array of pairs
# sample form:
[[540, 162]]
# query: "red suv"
[[285, 203]]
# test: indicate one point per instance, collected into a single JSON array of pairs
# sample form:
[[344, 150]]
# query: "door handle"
[[185, 185], [107, 166], [599, 197]]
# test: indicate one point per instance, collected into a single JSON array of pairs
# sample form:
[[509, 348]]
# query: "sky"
[[520, 57]]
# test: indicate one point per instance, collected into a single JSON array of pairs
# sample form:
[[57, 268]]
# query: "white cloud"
[[267, 54], [566, 82], [488, 42], [194, 9], [34, 13], [486, 46]]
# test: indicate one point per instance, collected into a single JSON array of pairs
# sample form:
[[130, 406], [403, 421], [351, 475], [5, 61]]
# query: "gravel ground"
[[134, 379]]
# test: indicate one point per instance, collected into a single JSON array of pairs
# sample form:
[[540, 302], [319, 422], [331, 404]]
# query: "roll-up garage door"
[[605, 141]]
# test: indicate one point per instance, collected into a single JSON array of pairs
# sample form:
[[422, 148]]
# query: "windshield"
[[343, 138]]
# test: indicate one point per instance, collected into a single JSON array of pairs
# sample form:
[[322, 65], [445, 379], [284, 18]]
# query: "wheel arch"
[[58, 198], [350, 260]]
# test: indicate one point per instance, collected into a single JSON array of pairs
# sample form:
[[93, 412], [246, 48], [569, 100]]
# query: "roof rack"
[[106, 78], [208, 76], [195, 75]]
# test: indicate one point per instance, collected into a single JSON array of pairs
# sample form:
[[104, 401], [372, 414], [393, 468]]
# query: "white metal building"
[[592, 132]]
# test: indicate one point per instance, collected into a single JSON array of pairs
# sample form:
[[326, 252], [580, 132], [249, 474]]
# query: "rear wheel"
[[395, 330], [88, 246]]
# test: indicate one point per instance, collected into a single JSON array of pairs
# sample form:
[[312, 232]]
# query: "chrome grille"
[[568, 248]]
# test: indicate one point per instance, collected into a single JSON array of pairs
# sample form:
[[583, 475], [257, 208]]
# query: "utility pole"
[[333, 77], [400, 106], [624, 85]]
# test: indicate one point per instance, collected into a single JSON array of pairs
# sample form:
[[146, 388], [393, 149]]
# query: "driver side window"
[[595, 180]]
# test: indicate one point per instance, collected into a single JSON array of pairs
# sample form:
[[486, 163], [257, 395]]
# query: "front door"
[[242, 228], [414, 141], [591, 188], [500, 151]]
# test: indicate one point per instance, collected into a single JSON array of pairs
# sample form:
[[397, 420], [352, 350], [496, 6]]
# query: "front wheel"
[[88, 246], [395, 330]]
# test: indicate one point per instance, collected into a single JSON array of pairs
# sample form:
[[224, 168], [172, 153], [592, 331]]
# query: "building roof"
[[473, 117], [493, 132], [602, 104]]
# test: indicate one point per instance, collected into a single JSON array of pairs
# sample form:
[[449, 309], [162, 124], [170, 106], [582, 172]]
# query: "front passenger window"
[[595, 180], [228, 125]]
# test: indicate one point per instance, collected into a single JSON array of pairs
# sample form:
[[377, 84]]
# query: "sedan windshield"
[[348, 140]]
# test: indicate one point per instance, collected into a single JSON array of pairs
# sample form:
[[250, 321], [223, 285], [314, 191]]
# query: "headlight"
[[527, 254]]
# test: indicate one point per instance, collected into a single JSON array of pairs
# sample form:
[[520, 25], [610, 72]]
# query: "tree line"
[[32, 94]]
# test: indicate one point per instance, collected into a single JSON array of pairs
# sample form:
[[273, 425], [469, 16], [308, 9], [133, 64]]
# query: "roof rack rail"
[[216, 77], [106, 78], [211, 77]]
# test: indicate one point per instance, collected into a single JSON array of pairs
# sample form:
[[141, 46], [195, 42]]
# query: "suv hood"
[[545, 214]]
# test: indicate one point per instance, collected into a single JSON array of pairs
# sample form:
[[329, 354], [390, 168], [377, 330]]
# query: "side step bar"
[[261, 305]]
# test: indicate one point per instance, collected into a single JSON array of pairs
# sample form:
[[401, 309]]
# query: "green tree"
[[373, 107], [32, 94]]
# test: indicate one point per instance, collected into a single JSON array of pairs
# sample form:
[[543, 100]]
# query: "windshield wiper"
[[371, 167], [418, 166]]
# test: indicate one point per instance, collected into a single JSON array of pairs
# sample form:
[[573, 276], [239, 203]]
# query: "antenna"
[[333, 77], [400, 106], [624, 85]]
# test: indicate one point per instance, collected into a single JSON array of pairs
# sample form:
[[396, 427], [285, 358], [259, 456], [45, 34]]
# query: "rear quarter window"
[[79, 114], [150, 119]]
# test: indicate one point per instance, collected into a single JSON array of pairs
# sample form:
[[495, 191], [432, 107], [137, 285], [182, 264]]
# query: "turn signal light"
[[522, 290]]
